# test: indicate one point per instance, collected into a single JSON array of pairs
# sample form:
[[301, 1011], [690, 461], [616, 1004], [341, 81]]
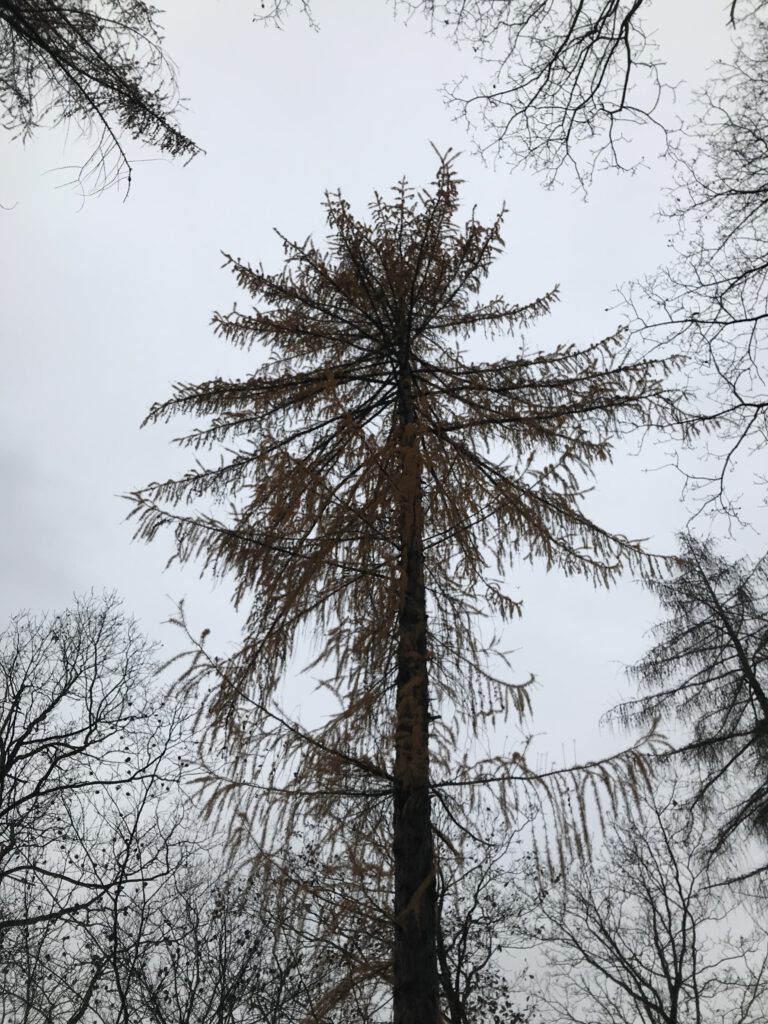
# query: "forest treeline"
[[176, 844], [122, 902]]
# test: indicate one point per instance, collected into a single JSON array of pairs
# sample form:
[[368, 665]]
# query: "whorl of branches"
[[311, 453]]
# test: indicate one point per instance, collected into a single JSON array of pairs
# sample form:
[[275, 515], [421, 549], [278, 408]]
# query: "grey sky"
[[106, 303]]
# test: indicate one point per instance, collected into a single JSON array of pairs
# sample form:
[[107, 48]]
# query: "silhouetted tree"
[[203, 949], [711, 300], [708, 672], [477, 935], [91, 809], [208, 945], [373, 473], [568, 80], [641, 937], [85, 759], [99, 65], [46, 975]]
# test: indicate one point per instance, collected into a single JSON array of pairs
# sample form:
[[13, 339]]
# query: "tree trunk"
[[415, 986]]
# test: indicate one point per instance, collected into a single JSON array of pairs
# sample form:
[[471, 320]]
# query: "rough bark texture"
[[415, 994]]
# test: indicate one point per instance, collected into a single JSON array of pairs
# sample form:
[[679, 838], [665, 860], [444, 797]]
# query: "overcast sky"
[[107, 303]]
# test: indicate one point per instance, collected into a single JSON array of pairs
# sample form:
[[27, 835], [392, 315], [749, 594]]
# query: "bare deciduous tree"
[[374, 473], [477, 936], [201, 949], [82, 741], [88, 756], [711, 300], [569, 81], [640, 935]]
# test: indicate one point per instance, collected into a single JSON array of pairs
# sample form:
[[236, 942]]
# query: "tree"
[[201, 950], [711, 300], [708, 671], [374, 474], [91, 811], [46, 976], [640, 935], [567, 78], [215, 946], [208, 945], [82, 968], [99, 65], [477, 911], [570, 86], [87, 754]]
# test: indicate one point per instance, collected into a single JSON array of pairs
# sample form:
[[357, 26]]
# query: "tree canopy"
[[100, 66], [372, 477], [708, 672], [568, 83], [641, 935]]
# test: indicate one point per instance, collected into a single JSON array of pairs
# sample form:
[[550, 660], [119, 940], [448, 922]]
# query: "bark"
[[415, 987]]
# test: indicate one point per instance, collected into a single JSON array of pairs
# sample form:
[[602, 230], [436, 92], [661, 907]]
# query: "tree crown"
[[366, 396]]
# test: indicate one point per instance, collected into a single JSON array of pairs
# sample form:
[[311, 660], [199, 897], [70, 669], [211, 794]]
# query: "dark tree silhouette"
[[201, 949], [641, 937], [99, 65], [84, 755], [569, 82], [477, 938], [711, 300], [708, 672], [373, 475]]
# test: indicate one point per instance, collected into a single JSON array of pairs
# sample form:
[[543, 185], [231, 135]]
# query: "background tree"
[[200, 949], [708, 671], [46, 976], [477, 937], [89, 755], [569, 82], [98, 65], [640, 935], [373, 473], [711, 300], [206, 944]]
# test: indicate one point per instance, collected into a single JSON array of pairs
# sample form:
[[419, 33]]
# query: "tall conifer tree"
[[707, 675], [373, 473]]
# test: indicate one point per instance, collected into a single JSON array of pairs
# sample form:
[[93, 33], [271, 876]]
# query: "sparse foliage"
[[711, 300], [566, 78], [641, 936], [100, 66], [477, 916], [373, 475], [202, 950], [569, 81], [708, 672]]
